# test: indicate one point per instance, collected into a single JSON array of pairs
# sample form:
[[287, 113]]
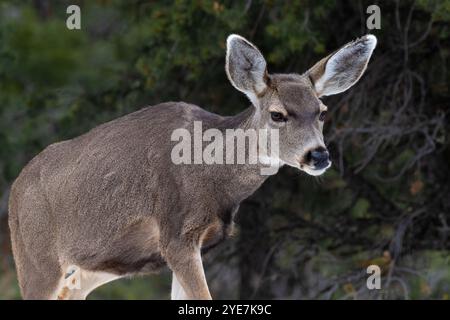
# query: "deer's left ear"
[[246, 67], [343, 68]]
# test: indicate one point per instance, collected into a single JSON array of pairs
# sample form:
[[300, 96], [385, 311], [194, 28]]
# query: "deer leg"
[[189, 281], [76, 283], [177, 292]]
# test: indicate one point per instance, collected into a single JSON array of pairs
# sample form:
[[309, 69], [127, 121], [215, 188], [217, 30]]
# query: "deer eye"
[[322, 115], [277, 116]]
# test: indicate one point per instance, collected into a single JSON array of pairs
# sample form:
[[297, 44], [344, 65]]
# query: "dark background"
[[385, 200]]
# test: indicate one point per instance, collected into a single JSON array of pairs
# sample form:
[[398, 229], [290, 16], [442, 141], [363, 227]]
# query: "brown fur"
[[111, 200]]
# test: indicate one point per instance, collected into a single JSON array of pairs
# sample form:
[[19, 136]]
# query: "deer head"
[[291, 102]]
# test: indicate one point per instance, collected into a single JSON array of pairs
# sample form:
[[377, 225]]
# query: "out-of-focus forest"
[[386, 199]]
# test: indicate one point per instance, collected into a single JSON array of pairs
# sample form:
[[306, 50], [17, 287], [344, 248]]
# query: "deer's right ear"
[[246, 67]]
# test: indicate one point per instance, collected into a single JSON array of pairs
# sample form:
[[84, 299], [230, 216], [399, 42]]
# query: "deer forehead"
[[293, 94]]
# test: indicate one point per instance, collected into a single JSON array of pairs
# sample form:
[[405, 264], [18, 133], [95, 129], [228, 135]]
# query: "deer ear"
[[246, 67], [343, 68]]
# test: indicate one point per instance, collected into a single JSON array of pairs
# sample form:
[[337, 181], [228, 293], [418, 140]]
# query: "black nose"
[[318, 157]]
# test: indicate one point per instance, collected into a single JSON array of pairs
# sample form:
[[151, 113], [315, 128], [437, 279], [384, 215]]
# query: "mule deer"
[[111, 203]]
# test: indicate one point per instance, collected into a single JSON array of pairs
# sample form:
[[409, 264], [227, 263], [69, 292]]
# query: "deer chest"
[[219, 230]]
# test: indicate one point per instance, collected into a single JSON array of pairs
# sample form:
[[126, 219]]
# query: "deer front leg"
[[189, 281], [177, 292]]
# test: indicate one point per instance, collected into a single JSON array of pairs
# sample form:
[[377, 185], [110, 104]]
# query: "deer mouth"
[[314, 170]]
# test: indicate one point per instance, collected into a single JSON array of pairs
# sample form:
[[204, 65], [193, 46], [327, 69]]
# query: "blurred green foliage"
[[299, 237]]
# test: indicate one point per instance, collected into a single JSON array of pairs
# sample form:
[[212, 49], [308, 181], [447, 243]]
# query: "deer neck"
[[246, 119], [240, 180]]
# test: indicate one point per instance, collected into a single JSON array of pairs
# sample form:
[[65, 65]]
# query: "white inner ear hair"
[[245, 67], [346, 66]]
